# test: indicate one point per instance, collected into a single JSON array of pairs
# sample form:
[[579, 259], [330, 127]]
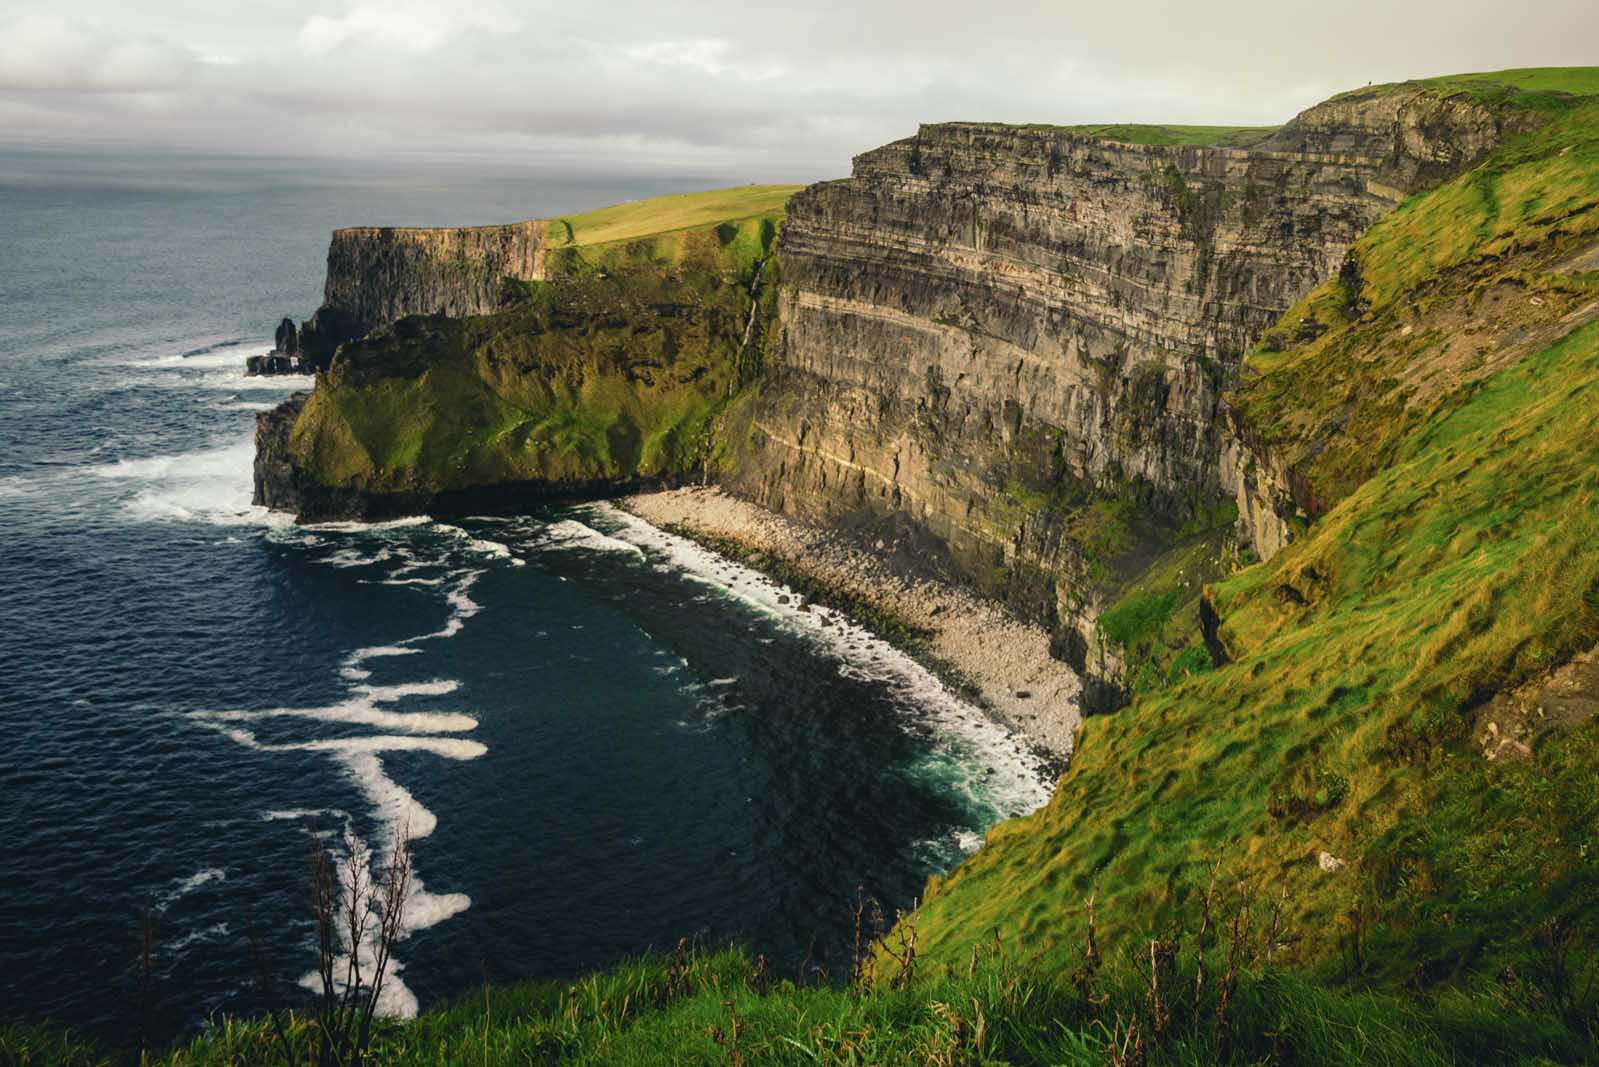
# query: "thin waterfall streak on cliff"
[[987, 762]]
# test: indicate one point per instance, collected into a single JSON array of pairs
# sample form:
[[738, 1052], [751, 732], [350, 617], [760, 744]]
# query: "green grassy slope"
[[1445, 406], [615, 368]]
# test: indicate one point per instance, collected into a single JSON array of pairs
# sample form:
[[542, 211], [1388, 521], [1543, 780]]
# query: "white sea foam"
[[296, 814], [182, 887], [219, 354], [400, 816], [569, 533], [366, 527], [214, 932], [989, 763], [346, 558], [359, 712], [212, 485], [361, 655], [487, 548]]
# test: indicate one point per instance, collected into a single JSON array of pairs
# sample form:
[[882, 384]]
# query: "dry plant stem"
[[1203, 941], [1238, 936], [345, 1012], [1275, 931], [1088, 969], [728, 1039]]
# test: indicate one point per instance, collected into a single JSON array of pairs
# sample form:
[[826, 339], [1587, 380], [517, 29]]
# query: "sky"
[[774, 91]]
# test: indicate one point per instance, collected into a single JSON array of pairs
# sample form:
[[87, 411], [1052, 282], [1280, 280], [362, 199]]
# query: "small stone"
[[1328, 862]]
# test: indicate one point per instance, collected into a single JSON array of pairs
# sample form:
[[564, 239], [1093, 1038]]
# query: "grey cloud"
[[783, 89], [85, 54]]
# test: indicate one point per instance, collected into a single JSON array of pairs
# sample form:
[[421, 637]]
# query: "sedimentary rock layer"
[[987, 325], [377, 275]]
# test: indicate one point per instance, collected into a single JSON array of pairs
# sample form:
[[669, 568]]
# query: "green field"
[[1205, 136], [666, 214], [1000, 1008]]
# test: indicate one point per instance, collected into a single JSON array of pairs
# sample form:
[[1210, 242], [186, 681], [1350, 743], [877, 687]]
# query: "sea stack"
[[284, 358]]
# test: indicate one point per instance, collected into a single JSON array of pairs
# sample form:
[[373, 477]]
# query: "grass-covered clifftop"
[[611, 370]]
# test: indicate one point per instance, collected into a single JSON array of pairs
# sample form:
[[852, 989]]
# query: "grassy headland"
[[613, 369]]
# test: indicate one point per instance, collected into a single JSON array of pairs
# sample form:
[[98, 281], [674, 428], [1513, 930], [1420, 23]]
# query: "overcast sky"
[[779, 90]]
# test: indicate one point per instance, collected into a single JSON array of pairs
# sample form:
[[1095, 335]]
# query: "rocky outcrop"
[[1420, 135], [378, 275], [287, 338], [283, 359], [277, 478]]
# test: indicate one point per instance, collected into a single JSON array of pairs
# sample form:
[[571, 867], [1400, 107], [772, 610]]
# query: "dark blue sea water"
[[598, 738]]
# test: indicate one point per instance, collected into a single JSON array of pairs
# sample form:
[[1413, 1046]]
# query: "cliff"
[[1375, 750], [606, 371], [1009, 345], [379, 275], [1077, 368], [1017, 339]]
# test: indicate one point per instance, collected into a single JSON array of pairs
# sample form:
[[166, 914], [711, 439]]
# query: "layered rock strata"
[[987, 328], [378, 275]]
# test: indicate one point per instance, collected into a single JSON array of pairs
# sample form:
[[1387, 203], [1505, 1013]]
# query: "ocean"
[[597, 738]]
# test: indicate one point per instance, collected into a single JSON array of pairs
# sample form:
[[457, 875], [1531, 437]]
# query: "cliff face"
[[992, 331], [380, 275]]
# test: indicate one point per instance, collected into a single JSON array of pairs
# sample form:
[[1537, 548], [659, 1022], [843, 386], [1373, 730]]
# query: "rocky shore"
[[1007, 660]]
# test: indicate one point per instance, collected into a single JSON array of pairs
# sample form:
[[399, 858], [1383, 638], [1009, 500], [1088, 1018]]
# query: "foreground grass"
[[719, 1008]]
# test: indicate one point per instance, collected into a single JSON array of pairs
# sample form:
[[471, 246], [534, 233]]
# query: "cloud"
[[704, 56], [83, 54], [410, 26], [780, 89]]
